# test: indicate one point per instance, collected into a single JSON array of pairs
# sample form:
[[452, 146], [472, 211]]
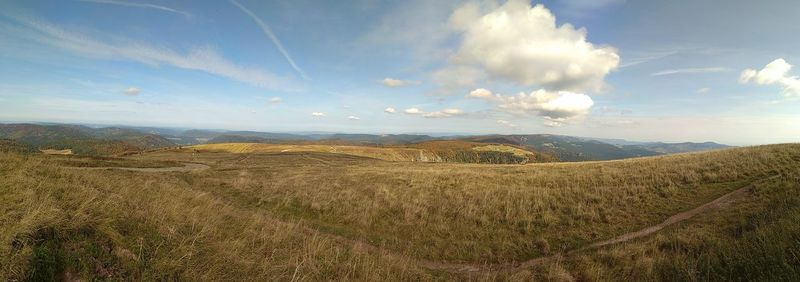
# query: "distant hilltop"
[[117, 140]]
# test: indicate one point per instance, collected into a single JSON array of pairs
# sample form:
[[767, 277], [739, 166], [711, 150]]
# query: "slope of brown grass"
[[432, 151], [278, 216]]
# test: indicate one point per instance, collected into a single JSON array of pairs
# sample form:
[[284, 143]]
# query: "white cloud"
[[139, 5], [200, 59], [275, 100], [522, 44], [556, 107], [553, 122], [413, 111], [318, 114], [131, 91], [444, 113], [268, 32], [506, 123], [703, 90], [776, 72], [481, 93], [391, 82], [353, 118], [690, 70], [389, 110]]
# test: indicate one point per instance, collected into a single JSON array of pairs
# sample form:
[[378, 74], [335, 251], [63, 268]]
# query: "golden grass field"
[[388, 154], [432, 151], [283, 214]]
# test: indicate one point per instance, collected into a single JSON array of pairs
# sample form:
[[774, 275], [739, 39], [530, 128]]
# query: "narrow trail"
[[510, 267], [185, 167], [476, 268]]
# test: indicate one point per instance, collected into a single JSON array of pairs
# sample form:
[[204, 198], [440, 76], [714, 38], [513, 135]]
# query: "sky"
[[673, 71]]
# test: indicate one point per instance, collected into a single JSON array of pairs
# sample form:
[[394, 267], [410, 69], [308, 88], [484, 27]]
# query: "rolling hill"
[[83, 140], [569, 148], [721, 215], [119, 139], [431, 151]]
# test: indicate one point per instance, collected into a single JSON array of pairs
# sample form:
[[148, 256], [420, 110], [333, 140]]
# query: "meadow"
[[318, 215], [431, 151]]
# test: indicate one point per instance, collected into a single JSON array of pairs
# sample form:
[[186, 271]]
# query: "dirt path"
[[185, 167], [474, 268], [716, 203]]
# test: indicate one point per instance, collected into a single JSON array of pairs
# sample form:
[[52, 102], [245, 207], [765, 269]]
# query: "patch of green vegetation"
[[85, 253]]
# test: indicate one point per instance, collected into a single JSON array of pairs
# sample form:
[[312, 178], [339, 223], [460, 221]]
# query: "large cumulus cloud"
[[522, 44], [557, 108], [774, 73]]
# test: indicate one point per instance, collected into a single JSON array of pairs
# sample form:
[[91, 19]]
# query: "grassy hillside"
[[321, 216], [568, 148], [432, 151], [83, 140], [11, 146], [472, 152], [671, 148], [542, 147]]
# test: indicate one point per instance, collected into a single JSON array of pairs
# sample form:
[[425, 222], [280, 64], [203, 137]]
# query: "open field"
[[432, 151], [320, 215]]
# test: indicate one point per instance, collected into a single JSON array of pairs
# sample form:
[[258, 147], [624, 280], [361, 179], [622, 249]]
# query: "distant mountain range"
[[570, 148], [121, 140]]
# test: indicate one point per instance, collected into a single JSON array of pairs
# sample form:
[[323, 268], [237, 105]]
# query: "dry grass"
[[503, 148], [114, 224], [266, 216], [754, 239], [387, 154], [432, 151]]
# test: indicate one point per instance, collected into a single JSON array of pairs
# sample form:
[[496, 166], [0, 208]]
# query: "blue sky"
[[640, 70]]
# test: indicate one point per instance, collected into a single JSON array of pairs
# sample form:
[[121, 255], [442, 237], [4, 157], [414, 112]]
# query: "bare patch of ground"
[[56, 152]]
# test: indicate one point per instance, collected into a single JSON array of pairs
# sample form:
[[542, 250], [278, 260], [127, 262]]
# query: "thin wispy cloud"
[[645, 58], [690, 71], [139, 5], [268, 32], [203, 59]]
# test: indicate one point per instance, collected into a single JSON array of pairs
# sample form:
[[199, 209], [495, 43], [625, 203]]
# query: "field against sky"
[[642, 70]]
